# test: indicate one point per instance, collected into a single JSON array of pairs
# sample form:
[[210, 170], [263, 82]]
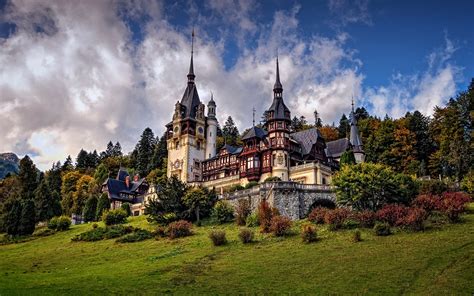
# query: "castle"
[[273, 150]]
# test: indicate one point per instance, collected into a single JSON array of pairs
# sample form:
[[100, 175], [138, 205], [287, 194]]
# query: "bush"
[[414, 219], [265, 214], [350, 223], [336, 218], [272, 179], [382, 229], [242, 211], [166, 218], [93, 235], [392, 214], [43, 232], [467, 183], [453, 204], [113, 217], [252, 220], [179, 228], [223, 212], [117, 231], [95, 225], [432, 187], [366, 219], [356, 236], [126, 207], [251, 184], [280, 225], [246, 235], [236, 188], [317, 215], [53, 223], [218, 237], [136, 236], [64, 222], [427, 202], [309, 234], [160, 231]]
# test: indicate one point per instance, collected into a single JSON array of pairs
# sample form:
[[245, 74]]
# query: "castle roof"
[[335, 149], [307, 139], [118, 189], [255, 132]]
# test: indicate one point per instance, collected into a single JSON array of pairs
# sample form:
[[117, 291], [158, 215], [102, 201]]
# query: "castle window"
[[198, 145]]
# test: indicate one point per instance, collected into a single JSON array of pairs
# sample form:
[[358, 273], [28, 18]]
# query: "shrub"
[[317, 215], [467, 183], [223, 212], [166, 218], [246, 235], [414, 219], [179, 228], [309, 234], [218, 237], [265, 214], [236, 188], [252, 220], [427, 202], [43, 232], [280, 225], [53, 223], [393, 214], [382, 229], [113, 217], [453, 204], [432, 187], [242, 211], [92, 235], [356, 236], [95, 225], [350, 223], [336, 218], [251, 184], [136, 236], [366, 219], [272, 179], [126, 207], [64, 222], [160, 231], [117, 231]]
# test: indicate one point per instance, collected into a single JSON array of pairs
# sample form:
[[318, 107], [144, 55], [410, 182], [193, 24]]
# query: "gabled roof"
[[279, 109], [336, 148], [255, 132], [307, 139], [232, 149]]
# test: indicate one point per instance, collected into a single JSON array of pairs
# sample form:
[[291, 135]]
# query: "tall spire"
[[277, 88], [253, 116], [191, 75]]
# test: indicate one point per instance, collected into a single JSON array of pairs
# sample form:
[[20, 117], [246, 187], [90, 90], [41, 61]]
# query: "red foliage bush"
[[392, 214], [335, 218], [453, 204], [309, 234], [365, 218], [427, 202], [317, 215], [265, 214], [414, 219], [179, 228], [280, 225]]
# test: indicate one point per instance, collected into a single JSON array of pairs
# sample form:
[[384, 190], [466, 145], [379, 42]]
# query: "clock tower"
[[186, 133]]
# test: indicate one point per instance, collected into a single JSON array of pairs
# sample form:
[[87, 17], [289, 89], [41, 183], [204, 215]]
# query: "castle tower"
[[186, 134], [278, 127], [355, 139], [211, 134]]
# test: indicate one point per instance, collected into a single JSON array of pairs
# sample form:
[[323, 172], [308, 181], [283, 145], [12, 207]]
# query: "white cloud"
[[350, 11]]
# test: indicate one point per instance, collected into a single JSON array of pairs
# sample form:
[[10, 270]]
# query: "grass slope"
[[434, 262]]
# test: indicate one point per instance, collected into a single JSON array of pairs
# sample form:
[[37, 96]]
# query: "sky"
[[78, 74]]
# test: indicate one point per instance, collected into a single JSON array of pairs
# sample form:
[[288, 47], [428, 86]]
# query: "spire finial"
[[277, 88], [352, 103], [253, 116], [191, 75]]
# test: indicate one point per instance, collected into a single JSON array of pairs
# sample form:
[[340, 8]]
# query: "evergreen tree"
[[92, 159], [28, 177], [347, 158], [11, 213], [56, 198], [67, 165], [145, 148], [84, 188], [27, 218], [101, 173], [44, 202], [117, 150], [361, 113], [90, 209], [230, 132], [82, 160], [53, 177], [103, 204], [159, 153], [344, 127]]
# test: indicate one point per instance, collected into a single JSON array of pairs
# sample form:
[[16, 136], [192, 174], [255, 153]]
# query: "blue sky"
[[77, 74]]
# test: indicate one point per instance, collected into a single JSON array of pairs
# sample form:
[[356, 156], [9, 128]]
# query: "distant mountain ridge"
[[9, 163]]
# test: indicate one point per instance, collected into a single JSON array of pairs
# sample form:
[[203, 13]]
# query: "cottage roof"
[[307, 139], [336, 148], [255, 132]]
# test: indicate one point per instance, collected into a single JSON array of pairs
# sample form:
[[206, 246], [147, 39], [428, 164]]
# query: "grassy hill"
[[434, 262]]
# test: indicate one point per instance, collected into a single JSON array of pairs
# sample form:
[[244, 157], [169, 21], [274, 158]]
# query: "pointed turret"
[[355, 139], [277, 88], [278, 109], [191, 75], [190, 99]]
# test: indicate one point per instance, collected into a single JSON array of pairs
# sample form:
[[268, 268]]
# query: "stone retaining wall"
[[290, 198]]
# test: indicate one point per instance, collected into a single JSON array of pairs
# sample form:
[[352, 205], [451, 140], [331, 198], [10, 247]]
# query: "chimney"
[[136, 177], [127, 181]]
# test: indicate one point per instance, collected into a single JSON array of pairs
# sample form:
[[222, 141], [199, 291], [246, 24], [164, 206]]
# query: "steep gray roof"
[[336, 148], [307, 139], [255, 132], [355, 139], [279, 109], [233, 149], [190, 100]]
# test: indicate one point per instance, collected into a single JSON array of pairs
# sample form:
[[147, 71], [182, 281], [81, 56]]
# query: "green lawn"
[[434, 262]]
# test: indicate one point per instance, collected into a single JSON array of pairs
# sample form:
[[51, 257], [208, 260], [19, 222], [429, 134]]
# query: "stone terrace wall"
[[290, 198]]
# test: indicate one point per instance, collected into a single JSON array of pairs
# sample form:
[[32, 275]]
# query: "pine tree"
[[230, 132], [44, 202], [90, 209], [347, 158], [28, 177], [117, 150], [53, 177], [101, 173], [82, 160], [344, 127], [159, 154], [103, 204], [11, 213], [67, 165], [27, 217], [145, 149]]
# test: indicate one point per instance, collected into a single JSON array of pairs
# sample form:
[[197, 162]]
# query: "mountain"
[[9, 163]]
